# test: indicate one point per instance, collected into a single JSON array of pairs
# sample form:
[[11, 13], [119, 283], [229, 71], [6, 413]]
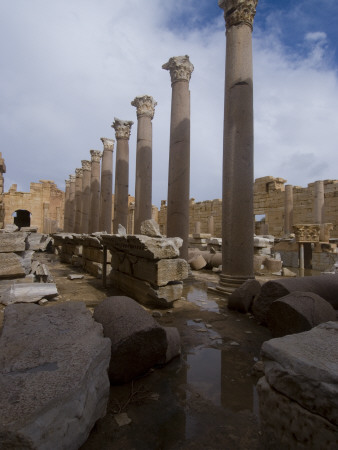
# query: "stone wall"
[[44, 202]]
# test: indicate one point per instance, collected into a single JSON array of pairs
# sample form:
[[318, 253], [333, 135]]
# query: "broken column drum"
[[95, 191], [78, 199], [179, 154], [237, 210], [71, 203], [66, 208], [86, 179], [145, 109], [122, 133], [288, 214], [106, 185]]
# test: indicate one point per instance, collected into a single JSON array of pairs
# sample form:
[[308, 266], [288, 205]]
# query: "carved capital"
[[67, 183], [108, 144], [78, 173], [180, 68], [145, 106], [96, 155], [86, 165], [72, 178], [122, 128], [306, 232], [237, 12]]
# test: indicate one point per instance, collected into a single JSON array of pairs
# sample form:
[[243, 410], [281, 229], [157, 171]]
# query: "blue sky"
[[69, 67]]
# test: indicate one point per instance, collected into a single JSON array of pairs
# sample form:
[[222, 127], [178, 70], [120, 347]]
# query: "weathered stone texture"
[[12, 242], [53, 376], [28, 293]]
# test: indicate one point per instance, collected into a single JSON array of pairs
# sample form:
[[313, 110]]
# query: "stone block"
[[144, 246], [53, 376], [38, 242], [13, 242], [144, 293], [273, 265], [304, 368], [93, 268], [150, 228], [11, 266], [197, 262], [138, 341], [297, 312], [28, 293]]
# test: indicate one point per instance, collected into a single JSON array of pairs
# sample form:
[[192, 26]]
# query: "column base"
[[228, 284]]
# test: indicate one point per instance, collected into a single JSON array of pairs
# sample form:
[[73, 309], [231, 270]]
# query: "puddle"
[[199, 296]]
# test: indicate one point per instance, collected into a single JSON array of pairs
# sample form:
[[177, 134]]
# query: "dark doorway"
[[22, 218], [308, 255]]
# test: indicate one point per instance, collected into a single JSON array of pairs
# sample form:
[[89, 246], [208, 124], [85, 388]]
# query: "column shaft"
[[71, 211], [66, 207], [86, 183], [288, 209], [95, 192], [78, 200], [106, 186], [318, 207]]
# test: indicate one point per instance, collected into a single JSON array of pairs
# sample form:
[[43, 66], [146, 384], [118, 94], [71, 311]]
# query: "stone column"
[[318, 207], [179, 154], [122, 133], [143, 180], [211, 225], [288, 209], [71, 212], [86, 181], [94, 191], [78, 199], [46, 220], [106, 198], [66, 207], [237, 204]]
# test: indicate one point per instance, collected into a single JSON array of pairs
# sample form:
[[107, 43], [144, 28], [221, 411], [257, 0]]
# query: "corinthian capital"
[[145, 106], [122, 128], [67, 183], [238, 12], [108, 144], [78, 173], [180, 68], [72, 178], [96, 155], [86, 165]]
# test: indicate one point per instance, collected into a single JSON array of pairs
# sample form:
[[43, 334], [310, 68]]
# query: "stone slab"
[[38, 242], [144, 246], [53, 376], [28, 293], [11, 266], [304, 368], [13, 242]]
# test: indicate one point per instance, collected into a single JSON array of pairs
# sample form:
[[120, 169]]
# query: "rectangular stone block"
[[12, 242], [10, 266]]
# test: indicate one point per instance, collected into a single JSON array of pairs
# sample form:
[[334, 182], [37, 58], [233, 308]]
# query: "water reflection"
[[199, 296]]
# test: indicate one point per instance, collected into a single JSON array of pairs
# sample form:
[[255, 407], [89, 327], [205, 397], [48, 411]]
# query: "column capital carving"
[[180, 68], [67, 183], [96, 155], [122, 128], [78, 173], [145, 106], [108, 144], [72, 178], [237, 12], [306, 232], [86, 165]]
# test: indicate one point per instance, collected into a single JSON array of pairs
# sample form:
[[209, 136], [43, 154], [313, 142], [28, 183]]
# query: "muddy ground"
[[204, 399]]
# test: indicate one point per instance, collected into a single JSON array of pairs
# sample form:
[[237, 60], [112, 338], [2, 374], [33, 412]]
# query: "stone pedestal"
[[71, 203], [106, 204], [237, 208], [86, 179], [66, 208], [78, 199], [143, 180], [122, 133], [95, 191], [288, 214], [179, 155]]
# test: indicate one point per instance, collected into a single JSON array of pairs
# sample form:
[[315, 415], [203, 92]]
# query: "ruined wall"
[[2, 207], [269, 201], [45, 202]]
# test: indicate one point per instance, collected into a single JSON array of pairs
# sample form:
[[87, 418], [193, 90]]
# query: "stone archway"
[[22, 218]]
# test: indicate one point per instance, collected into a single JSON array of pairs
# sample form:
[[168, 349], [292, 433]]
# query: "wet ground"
[[204, 399]]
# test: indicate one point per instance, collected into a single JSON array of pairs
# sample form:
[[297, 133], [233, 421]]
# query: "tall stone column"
[[86, 181], [71, 213], [122, 133], [318, 206], [106, 185], [145, 109], [95, 191], [288, 209], [179, 154], [237, 204], [66, 207], [78, 199]]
